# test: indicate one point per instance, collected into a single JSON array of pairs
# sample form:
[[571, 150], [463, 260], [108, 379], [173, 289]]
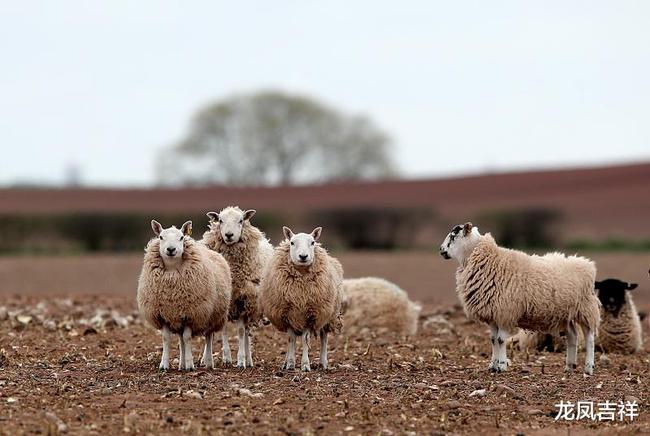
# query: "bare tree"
[[273, 138]]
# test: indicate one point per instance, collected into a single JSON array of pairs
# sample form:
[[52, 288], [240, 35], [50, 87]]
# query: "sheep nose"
[[229, 235], [171, 251], [303, 257]]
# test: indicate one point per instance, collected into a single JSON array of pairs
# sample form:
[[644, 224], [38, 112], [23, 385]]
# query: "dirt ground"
[[75, 358]]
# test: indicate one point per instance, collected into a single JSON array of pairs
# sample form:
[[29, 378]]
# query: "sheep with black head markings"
[[508, 289], [620, 329], [184, 288], [301, 294], [248, 252]]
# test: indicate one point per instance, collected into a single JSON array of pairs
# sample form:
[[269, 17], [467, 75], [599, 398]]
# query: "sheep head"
[[302, 246], [172, 240], [231, 221]]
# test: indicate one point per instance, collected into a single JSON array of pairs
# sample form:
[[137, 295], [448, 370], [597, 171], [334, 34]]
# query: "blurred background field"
[[532, 126]]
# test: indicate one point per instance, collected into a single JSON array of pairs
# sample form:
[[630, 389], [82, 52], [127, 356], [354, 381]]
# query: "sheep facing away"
[[508, 289], [247, 251], [377, 305], [184, 289], [620, 329], [301, 294]]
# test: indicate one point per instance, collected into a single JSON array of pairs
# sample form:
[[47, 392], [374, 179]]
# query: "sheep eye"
[[220, 221], [160, 238], [241, 221], [181, 238], [313, 242], [293, 243]]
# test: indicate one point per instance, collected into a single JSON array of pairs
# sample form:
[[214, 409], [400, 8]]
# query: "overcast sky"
[[461, 87]]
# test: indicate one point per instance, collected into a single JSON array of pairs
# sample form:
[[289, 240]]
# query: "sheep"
[[247, 251], [378, 305], [301, 294], [507, 289], [183, 288], [620, 326], [620, 330]]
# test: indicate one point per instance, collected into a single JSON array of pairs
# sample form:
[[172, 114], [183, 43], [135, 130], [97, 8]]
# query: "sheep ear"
[[631, 286], [316, 233], [157, 227], [467, 228], [186, 229], [288, 234], [213, 216], [249, 214]]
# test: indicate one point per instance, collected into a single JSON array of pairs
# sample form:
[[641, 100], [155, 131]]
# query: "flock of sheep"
[[234, 274]]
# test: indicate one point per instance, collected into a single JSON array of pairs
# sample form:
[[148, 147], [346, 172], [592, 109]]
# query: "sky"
[[461, 87]]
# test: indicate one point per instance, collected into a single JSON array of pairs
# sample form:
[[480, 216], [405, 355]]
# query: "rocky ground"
[[88, 365]]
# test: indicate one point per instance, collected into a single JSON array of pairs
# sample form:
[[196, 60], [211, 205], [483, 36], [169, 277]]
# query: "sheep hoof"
[[570, 367], [589, 369], [163, 368], [498, 367], [289, 365], [305, 367]]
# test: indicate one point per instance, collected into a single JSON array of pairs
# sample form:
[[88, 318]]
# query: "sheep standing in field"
[[184, 288], [508, 289], [620, 329], [248, 252], [301, 293], [377, 305]]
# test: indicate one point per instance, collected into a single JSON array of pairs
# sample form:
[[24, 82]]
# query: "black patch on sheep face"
[[453, 234], [611, 293]]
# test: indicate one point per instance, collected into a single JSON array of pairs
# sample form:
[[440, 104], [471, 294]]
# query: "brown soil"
[[64, 366], [424, 275]]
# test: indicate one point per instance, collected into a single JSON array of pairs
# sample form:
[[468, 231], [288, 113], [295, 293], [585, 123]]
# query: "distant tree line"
[[272, 138]]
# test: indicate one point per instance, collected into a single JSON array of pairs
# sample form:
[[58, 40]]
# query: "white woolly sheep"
[[301, 294], [183, 288], [247, 251], [620, 329], [375, 304], [508, 289]]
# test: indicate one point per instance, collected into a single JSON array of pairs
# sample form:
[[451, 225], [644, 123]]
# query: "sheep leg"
[[493, 340], [589, 349], [304, 363], [181, 349], [225, 346], [571, 347], [502, 340], [247, 343], [290, 362], [241, 342], [187, 340], [166, 338], [499, 354], [207, 358], [323, 349]]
